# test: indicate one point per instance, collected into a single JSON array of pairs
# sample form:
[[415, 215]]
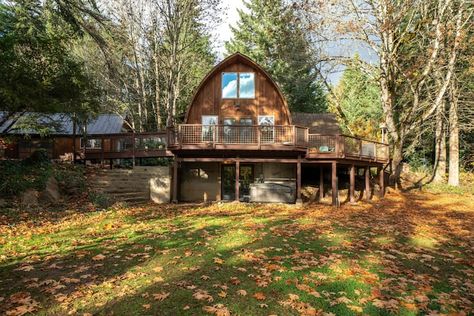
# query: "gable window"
[[238, 85]]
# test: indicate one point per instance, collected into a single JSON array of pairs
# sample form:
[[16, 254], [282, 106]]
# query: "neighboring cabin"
[[238, 141]]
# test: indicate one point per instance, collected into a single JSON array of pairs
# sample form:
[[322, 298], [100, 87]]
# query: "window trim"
[[238, 85]]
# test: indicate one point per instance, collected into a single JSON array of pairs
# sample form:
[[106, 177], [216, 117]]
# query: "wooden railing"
[[239, 137], [243, 136], [195, 134]]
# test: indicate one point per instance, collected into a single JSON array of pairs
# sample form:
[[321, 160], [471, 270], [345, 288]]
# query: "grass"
[[408, 254]]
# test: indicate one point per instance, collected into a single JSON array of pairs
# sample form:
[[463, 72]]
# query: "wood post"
[[175, 180], [298, 180], [352, 184], [133, 149], [367, 183], [381, 181], [334, 183], [321, 183], [237, 180]]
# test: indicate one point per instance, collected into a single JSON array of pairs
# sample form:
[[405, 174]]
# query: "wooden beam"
[[352, 184], [175, 181], [381, 181], [334, 184], [237, 180], [367, 183], [298, 180], [321, 183]]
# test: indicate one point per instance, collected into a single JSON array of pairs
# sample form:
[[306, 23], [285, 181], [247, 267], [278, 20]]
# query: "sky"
[[223, 33]]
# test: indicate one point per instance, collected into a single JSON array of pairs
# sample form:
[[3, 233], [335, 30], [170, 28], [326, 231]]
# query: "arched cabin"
[[239, 141]]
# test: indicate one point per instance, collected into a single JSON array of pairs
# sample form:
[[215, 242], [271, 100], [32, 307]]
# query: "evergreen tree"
[[359, 98], [37, 71], [271, 35]]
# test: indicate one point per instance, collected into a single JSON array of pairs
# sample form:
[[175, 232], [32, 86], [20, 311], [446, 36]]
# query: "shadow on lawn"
[[381, 233]]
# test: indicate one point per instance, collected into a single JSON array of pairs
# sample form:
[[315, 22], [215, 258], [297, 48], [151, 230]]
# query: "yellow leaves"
[[202, 295], [25, 268], [259, 296], [146, 306], [161, 296], [218, 310], [98, 257], [234, 281], [222, 294], [205, 277], [218, 260], [158, 269]]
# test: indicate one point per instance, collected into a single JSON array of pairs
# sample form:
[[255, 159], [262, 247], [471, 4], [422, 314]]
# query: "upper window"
[[238, 85]]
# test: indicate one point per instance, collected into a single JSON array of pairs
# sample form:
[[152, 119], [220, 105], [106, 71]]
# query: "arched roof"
[[232, 59]]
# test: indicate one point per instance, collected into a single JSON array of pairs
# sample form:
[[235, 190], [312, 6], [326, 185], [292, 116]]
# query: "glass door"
[[208, 122], [228, 182], [267, 123]]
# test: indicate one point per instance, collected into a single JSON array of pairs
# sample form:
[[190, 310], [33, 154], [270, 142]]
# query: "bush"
[[19, 176], [71, 178], [100, 200], [38, 157]]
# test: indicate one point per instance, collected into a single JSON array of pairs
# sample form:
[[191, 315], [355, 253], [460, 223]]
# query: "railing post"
[[179, 137], [294, 136], [102, 151], [338, 143], [259, 137]]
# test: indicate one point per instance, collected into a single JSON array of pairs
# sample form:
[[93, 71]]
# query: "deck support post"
[[335, 193], [133, 149], [381, 181], [298, 181], [237, 180], [321, 183], [367, 183], [352, 184], [175, 181]]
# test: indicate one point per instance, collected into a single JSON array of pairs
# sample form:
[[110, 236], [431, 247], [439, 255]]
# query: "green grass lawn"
[[409, 254]]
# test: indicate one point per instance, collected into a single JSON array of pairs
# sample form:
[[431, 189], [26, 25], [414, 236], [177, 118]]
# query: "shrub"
[[19, 176], [100, 200], [71, 178], [38, 157]]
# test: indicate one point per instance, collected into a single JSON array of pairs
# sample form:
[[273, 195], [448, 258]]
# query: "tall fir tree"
[[359, 98], [269, 33]]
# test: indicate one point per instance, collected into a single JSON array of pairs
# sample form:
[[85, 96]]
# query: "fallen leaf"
[[161, 296], [259, 296], [98, 257]]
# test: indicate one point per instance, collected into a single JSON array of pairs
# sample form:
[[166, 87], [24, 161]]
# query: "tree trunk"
[[453, 178], [397, 158], [439, 171]]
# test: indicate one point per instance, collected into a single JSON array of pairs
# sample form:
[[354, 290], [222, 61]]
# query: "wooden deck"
[[221, 138], [278, 138]]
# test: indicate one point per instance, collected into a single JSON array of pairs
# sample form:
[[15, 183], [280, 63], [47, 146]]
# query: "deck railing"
[[194, 134], [317, 145], [239, 137]]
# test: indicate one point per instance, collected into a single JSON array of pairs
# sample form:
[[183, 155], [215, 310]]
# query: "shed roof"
[[318, 123], [62, 124]]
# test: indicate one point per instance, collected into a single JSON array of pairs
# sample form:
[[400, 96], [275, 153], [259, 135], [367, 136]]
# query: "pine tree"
[[359, 98], [271, 35]]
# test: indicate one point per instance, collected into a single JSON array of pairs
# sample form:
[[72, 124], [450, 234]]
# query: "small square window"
[[229, 85], [247, 85]]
